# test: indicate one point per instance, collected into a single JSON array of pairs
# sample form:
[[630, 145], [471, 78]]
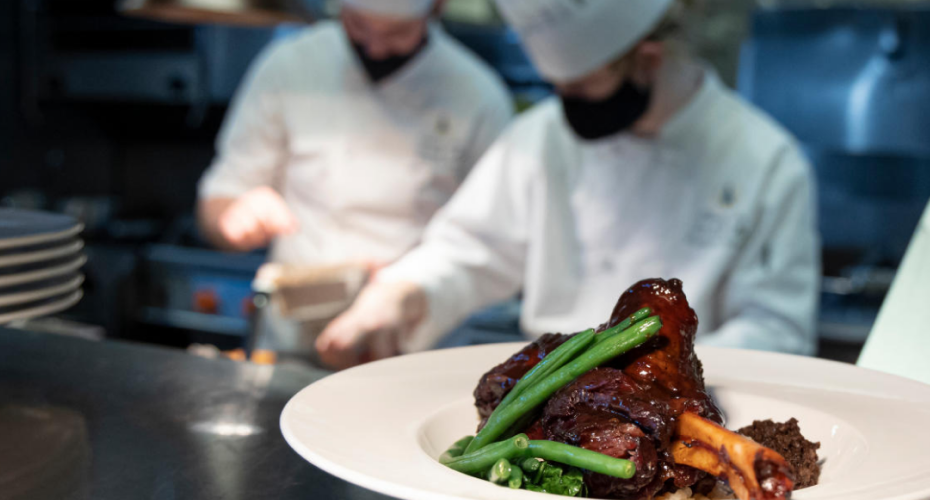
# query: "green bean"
[[530, 465], [520, 425], [479, 461], [516, 478], [500, 472], [623, 325], [552, 362], [582, 458], [504, 416], [457, 449], [558, 358]]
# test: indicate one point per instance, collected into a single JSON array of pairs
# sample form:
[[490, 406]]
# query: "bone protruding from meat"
[[753, 471]]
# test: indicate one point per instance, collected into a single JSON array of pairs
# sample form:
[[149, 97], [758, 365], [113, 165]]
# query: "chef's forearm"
[[439, 299]]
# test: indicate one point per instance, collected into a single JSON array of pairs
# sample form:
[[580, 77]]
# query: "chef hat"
[[567, 39], [394, 8]]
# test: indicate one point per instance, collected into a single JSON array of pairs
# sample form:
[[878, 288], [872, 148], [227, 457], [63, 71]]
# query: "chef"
[[345, 139], [643, 165]]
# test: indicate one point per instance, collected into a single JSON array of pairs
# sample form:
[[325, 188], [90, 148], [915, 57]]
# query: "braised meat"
[[606, 411], [495, 384], [667, 361], [628, 409]]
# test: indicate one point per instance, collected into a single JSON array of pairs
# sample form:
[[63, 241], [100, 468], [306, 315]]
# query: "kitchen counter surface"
[[114, 420]]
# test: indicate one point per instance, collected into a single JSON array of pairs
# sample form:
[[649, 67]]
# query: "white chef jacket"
[[722, 199], [899, 342], [362, 167]]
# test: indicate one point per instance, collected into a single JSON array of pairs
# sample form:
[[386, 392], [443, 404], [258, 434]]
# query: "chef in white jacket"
[[644, 165], [345, 139]]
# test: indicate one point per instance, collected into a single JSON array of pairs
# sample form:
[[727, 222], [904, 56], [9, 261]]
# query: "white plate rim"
[[347, 473], [7, 300], [42, 274], [44, 309], [37, 239], [42, 255]]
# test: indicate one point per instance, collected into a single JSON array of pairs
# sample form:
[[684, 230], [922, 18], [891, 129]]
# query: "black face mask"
[[596, 119], [379, 69]]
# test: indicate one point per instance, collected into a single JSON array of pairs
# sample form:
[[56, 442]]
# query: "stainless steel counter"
[[112, 420]]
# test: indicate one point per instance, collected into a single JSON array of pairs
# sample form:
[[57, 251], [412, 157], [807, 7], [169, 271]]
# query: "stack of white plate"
[[40, 261]]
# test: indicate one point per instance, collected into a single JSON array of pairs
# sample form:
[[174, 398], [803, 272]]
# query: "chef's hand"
[[373, 327], [252, 220]]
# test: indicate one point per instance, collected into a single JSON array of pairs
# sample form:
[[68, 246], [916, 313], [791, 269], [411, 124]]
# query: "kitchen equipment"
[[90, 53], [19, 278], [852, 84], [40, 256], [844, 79], [395, 417], [297, 302], [239, 12], [21, 228], [310, 293], [40, 308], [40, 290], [22, 256], [197, 290]]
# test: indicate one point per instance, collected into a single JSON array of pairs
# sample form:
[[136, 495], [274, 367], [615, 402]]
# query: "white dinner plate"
[[47, 307], [29, 293], [65, 249], [382, 425], [20, 228], [19, 278], [39, 239]]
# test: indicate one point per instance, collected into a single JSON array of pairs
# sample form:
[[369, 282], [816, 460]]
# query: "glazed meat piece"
[[648, 387], [667, 361], [628, 409], [606, 411], [495, 384], [667, 366], [613, 394]]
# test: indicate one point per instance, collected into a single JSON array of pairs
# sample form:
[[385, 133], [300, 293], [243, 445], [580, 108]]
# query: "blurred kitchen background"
[[110, 116]]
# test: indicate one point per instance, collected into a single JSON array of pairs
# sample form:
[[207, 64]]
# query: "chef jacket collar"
[[407, 86], [407, 71], [678, 132]]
